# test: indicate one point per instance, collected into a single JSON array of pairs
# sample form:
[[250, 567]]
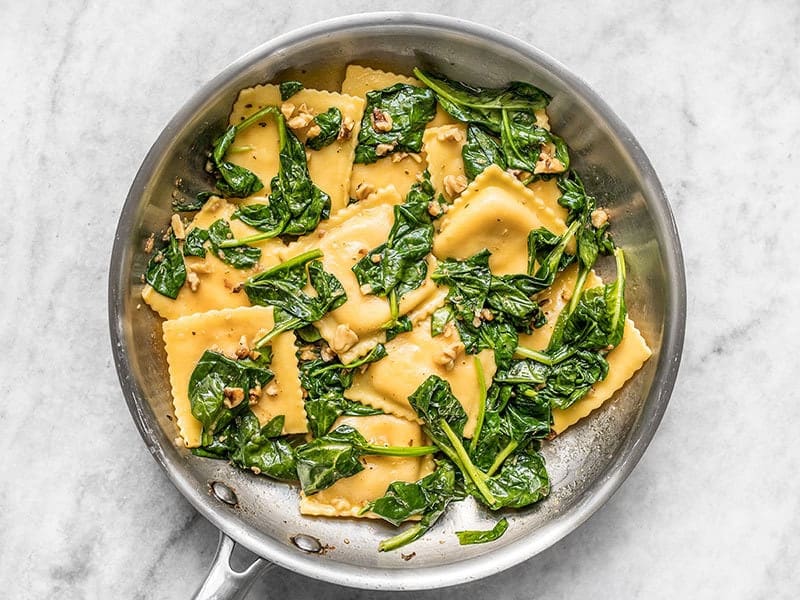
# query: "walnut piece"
[[177, 227], [599, 217], [434, 208], [454, 184], [272, 389], [243, 351], [232, 397], [287, 110], [363, 190], [450, 134], [326, 353], [192, 279], [449, 354], [302, 117], [313, 131], [344, 338], [384, 149], [346, 129], [254, 395], [150, 243], [547, 162], [381, 120]]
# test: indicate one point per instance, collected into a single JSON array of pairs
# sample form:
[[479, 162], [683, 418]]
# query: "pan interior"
[[586, 463]]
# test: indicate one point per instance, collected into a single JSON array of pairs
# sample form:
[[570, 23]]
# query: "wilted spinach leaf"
[[262, 450], [408, 108], [239, 257], [213, 374], [427, 497], [337, 454], [166, 271], [193, 245], [329, 123], [282, 287], [234, 180], [289, 89], [481, 537], [397, 267], [522, 480], [191, 204], [480, 152], [522, 141]]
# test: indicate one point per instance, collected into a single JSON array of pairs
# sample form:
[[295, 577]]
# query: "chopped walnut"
[[192, 279], [476, 319], [346, 129], [363, 190], [415, 157], [313, 131], [599, 217], [450, 134], [177, 227], [376, 258], [232, 397], [366, 289], [449, 354], [255, 470], [547, 162], [287, 110], [519, 174], [384, 149], [302, 117], [398, 156], [566, 295], [344, 338], [434, 208], [307, 353], [381, 120], [272, 389], [150, 243], [326, 353], [454, 184], [243, 351], [308, 156], [202, 267], [254, 395], [487, 315]]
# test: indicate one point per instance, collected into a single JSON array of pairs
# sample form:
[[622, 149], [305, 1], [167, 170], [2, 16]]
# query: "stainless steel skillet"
[[587, 464]]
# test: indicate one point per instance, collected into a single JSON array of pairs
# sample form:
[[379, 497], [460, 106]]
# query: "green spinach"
[[282, 287], [194, 244], [481, 537], [329, 123], [289, 89], [397, 267], [239, 257], [234, 180], [480, 151], [166, 271], [395, 119], [337, 454]]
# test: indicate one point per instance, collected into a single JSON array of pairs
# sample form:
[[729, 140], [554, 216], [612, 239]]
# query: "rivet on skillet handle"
[[222, 582]]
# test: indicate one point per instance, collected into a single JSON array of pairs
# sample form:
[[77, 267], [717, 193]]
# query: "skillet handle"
[[222, 582]]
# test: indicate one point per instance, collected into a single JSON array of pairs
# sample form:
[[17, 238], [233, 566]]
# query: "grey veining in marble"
[[711, 90]]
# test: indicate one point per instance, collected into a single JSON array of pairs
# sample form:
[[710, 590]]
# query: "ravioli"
[[412, 358], [623, 361], [347, 497], [187, 338], [218, 281], [495, 212], [328, 167], [344, 241]]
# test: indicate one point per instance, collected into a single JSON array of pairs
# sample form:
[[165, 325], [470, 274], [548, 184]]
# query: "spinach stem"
[[403, 538], [583, 272], [256, 116], [251, 239], [481, 404], [502, 456], [399, 450], [238, 149], [620, 292], [394, 311], [300, 259], [292, 323], [470, 470], [544, 358]]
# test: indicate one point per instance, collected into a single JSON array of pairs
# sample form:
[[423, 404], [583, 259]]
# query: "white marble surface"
[[711, 91]]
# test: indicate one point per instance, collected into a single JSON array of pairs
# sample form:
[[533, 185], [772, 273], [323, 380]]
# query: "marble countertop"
[[711, 91]]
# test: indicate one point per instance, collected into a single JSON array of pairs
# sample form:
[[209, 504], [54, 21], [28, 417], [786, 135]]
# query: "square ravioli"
[[623, 361], [412, 358], [216, 282], [495, 212], [347, 497], [398, 170], [187, 338], [344, 240], [443, 146], [329, 167]]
